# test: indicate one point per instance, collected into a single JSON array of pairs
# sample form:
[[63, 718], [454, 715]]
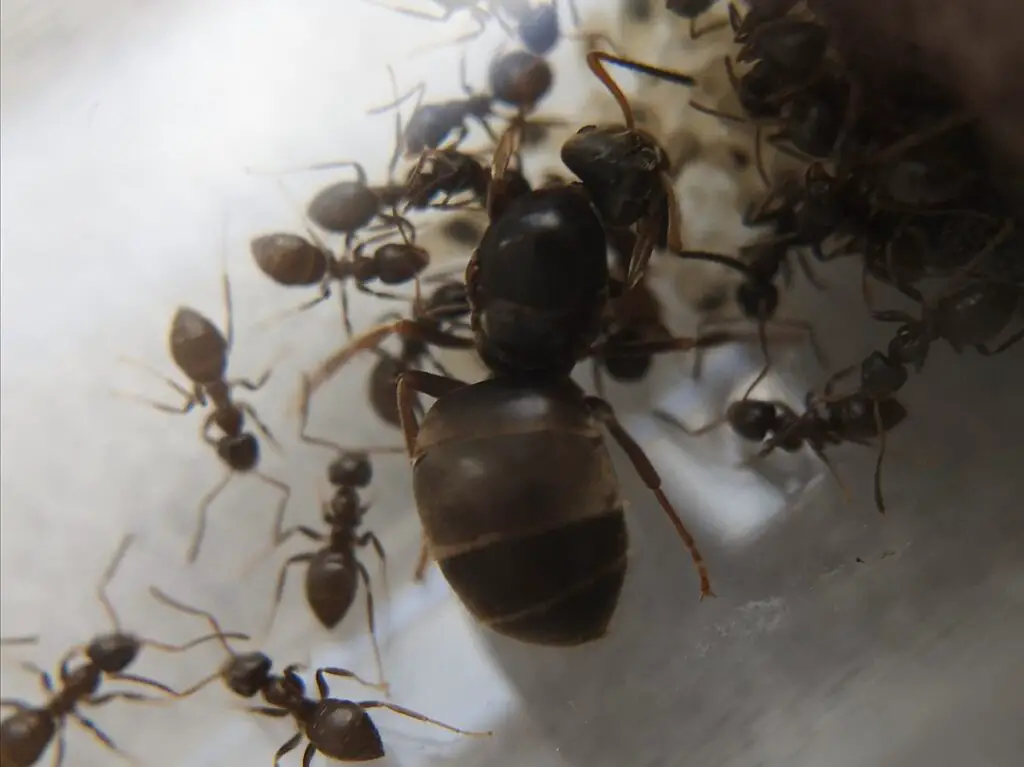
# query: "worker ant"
[[538, 288], [289, 259], [452, 173], [855, 418], [535, 25], [26, 734], [201, 352], [337, 728], [518, 79], [333, 573]]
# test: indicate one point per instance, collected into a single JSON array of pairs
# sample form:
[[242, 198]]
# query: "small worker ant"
[[337, 728], [535, 25], [518, 79], [290, 259], [854, 418], [26, 734], [333, 573], [201, 352]]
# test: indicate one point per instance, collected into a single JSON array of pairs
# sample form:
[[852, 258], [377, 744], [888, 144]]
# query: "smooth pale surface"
[[127, 127]]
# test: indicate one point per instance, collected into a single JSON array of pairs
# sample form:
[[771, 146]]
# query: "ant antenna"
[[108, 576], [218, 631]]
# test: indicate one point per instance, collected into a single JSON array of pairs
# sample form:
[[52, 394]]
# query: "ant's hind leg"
[[983, 349], [604, 413], [418, 716], [204, 507], [290, 745], [423, 561]]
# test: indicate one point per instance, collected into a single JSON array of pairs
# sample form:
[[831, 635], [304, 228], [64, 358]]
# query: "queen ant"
[[26, 734], [337, 728]]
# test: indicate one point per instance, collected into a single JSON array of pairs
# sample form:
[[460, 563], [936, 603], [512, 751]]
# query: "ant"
[[854, 418], [25, 735], [514, 469], [535, 25], [201, 352], [451, 173], [334, 572], [446, 306], [691, 10], [289, 259], [338, 729], [519, 79]]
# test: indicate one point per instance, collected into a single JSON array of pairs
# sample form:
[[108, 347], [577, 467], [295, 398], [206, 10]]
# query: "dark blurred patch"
[[462, 230]]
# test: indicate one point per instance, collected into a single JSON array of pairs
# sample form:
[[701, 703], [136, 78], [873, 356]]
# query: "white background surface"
[[126, 130]]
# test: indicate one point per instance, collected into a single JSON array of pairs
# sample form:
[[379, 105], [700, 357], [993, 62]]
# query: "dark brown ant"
[[691, 10], [757, 295], [338, 729], [518, 79], [452, 173], [538, 287], [535, 25], [201, 352], [290, 259], [854, 418], [333, 573], [25, 735]]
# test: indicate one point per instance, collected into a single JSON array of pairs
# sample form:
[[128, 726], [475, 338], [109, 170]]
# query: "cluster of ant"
[[539, 553]]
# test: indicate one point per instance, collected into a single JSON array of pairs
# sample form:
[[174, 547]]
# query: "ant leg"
[[291, 744], [808, 272], [604, 413], [307, 755], [108, 576], [373, 540], [276, 713], [15, 641], [45, 680], [479, 18], [835, 378], [58, 756], [229, 313], [831, 470], [204, 506], [671, 420], [759, 156], [362, 288], [893, 316], [342, 673], [282, 505], [714, 26], [371, 622], [370, 339], [598, 378], [100, 700], [718, 113], [880, 427], [282, 577], [983, 349], [209, 617], [418, 717], [190, 398], [101, 736], [422, 561]]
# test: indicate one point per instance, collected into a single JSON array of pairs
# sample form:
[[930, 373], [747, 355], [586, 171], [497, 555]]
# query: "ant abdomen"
[[331, 585], [197, 346], [344, 207], [289, 259], [24, 737], [538, 28], [397, 263], [341, 729]]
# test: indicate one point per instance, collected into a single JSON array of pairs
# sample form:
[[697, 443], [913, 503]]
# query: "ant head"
[[350, 469], [538, 28], [248, 673], [113, 652], [619, 167], [757, 300], [428, 127], [752, 419], [241, 452], [688, 9], [880, 376], [448, 301], [910, 345], [520, 79]]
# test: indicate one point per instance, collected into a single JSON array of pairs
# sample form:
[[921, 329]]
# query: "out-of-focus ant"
[[26, 734], [691, 10], [338, 729]]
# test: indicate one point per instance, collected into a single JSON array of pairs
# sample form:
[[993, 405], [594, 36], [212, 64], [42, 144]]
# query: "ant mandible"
[[339, 729], [201, 352], [25, 735]]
